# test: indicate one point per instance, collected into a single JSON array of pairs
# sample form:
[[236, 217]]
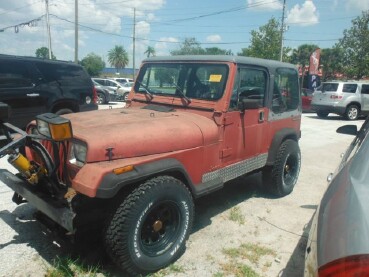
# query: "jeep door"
[[18, 89], [365, 97], [244, 128]]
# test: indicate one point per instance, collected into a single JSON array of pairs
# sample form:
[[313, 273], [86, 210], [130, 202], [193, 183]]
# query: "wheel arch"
[[65, 105], [114, 185], [354, 103], [278, 139]]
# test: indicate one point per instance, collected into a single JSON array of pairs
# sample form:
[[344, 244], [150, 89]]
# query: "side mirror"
[[347, 130], [249, 104]]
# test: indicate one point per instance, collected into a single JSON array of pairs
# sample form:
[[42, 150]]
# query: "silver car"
[[349, 99], [338, 242]]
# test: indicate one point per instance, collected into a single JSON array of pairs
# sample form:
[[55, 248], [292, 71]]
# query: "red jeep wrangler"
[[191, 124]]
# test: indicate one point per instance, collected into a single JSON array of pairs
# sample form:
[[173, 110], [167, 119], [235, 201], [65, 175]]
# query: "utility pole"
[[134, 43], [282, 30], [76, 31], [48, 27]]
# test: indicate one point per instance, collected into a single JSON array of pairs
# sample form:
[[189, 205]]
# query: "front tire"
[[352, 112], [281, 178], [149, 229]]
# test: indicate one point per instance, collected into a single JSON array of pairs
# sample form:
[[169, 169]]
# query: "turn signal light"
[[54, 126], [124, 169]]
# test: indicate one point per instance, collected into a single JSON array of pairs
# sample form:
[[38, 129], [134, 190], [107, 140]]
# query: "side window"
[[14, 74], [365, 89], [286, 95], [64, 74], [349, 88], [250, 83]]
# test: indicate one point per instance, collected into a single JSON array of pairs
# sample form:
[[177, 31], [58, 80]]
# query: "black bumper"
[[62, 215]]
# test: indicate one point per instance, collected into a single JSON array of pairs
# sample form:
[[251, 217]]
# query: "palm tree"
[[150, 51], [118, 57]]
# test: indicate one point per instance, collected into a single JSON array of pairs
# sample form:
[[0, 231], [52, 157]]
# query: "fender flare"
[[279, 137], [111, 183]]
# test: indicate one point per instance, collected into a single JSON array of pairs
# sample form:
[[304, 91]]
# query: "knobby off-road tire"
[[281, 178], [149, 229], [352, 112]]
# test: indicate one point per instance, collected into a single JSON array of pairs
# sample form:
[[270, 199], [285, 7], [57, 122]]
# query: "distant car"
[[108, 83], [306, 97], [123, 80], [32, 86], [346, 98], [338, 242], [124, 90]]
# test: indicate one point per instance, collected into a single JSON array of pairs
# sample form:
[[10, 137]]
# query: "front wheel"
[[281, 178], [149, 229], [352, 112], [101, 99]]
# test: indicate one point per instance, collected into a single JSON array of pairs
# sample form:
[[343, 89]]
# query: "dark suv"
[[32, 86]]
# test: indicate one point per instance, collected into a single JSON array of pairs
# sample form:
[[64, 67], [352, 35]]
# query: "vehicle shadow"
[[88, 248], [296, 263], [332, 117]]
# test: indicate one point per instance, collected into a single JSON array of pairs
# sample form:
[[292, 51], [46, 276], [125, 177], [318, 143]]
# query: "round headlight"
[[78, 154]]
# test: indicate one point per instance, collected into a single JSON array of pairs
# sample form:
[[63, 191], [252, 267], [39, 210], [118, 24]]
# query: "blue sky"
[[164, 24]]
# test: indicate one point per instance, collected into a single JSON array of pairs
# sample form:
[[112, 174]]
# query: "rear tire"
[[280, 179], [149, 229], [125, 96], [322, 114], [352, 112]]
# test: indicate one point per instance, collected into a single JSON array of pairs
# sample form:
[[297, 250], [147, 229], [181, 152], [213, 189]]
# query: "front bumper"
[[60, 214]]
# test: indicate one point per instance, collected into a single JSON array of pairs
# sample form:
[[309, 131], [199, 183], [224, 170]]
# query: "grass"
[[236, 215], [236, 269], [68, 267], [249, 251], [168, 270]]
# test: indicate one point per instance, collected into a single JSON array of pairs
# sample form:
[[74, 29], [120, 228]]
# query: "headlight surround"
[[78, 153]]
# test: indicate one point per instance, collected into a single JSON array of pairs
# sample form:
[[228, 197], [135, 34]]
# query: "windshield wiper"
[[146, 89], [181, 93]]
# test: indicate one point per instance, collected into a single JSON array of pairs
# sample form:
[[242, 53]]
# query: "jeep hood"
[[138, 132]]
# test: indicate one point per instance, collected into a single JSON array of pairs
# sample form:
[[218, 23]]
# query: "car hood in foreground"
[[138, 132]]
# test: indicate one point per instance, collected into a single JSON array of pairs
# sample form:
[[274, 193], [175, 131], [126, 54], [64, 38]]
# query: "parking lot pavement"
[[26, 248]]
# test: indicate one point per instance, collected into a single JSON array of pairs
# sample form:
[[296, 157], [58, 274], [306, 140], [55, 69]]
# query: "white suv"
[[347, 98]]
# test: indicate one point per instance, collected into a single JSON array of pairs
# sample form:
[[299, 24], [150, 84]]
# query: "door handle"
[[261, 116], [32, 94]]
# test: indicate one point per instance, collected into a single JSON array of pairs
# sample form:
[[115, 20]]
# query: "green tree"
[[150, 51], [355, 45], [93, 64], [43, 53], [331, 62], [217, 51], [266, 42], [189, 46], [118, 57]]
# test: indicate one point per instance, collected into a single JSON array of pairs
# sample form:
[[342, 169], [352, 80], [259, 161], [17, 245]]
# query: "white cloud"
[[357, 4], [214, 38], [264, 5], [162, 47], [304, 15]]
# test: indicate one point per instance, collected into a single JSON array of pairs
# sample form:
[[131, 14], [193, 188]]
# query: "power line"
[[30, 23], [16, 9]]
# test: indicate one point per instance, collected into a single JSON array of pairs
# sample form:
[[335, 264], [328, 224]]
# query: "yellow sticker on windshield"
[[215, 78]]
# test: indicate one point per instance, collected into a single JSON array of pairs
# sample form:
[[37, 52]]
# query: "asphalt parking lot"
[[27, 248]]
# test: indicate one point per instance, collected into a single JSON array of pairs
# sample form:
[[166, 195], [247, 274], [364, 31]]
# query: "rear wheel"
[[322, 114], [281, 178], [352, 112], [125, 96], [149, 229]]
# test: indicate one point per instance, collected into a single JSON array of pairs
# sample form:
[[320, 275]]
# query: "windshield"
[[191, 80]]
